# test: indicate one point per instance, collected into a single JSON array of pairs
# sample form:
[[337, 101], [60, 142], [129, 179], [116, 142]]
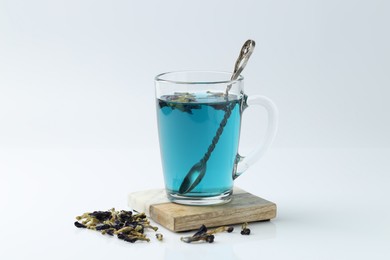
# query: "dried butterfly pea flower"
[[228, 229], [200, 235], [125, 217], [151, 227], [204, 237], [132, 238], [141, 215], [102, 226], [109, 231], [79, 225], [101, 215], [244, 229], [201, 231], [127, 238], [159, 236], [124, 230], [209, 238]]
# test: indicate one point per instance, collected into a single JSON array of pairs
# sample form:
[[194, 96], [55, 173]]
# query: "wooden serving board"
[[244, 207]]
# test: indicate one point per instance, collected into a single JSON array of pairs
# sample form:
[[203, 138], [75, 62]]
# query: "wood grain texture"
[[244, 207]]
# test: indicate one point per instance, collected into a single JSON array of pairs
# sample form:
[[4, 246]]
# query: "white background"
[[78, 128]]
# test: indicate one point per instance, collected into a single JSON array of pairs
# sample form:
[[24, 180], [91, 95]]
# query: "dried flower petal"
[[79, 225]]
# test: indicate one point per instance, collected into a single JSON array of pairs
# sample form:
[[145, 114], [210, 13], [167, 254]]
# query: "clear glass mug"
[[199, 128]]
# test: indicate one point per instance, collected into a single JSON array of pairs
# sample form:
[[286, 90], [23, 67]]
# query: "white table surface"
[[332, 204]]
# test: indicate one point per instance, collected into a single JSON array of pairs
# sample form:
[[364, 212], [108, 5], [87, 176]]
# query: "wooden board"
[[244, 207]]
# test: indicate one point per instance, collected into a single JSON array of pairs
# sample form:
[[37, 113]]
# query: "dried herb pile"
[[124, 224], [130, 227]]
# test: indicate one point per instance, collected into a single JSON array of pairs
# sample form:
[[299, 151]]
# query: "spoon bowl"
[[194, 176]]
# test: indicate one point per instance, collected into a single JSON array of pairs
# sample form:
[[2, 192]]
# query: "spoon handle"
[[242, 60], [219, 132]]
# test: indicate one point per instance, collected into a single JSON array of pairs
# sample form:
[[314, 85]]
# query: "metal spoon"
[[197, 172]]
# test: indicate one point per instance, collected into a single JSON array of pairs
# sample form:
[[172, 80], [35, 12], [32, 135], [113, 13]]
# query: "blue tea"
[[187, 125]]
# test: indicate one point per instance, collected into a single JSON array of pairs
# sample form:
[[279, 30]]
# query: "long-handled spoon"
[[197, 172]]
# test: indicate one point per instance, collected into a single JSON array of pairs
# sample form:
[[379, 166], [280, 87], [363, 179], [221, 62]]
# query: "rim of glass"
[[160, 79]]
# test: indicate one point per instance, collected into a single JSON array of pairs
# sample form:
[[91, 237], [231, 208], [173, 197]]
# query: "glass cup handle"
[[244, 162]]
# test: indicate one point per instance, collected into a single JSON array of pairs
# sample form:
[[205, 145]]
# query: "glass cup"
[[199, 119]]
